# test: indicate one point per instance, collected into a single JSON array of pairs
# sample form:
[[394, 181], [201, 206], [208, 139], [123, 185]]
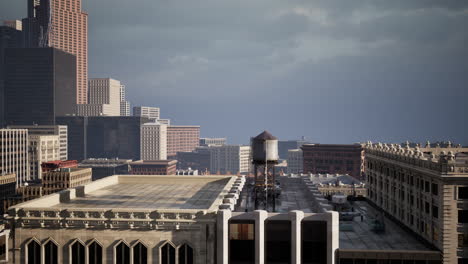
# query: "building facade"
[[153, 113], [40, 84], [65, 178], [334, 158], [105, 91], [124, 104], [42, 149], [14, 156], [182, 139], [153, 167], [213, 141], [57, 130], [230, 159], [285, 145], [295, 161], [106, 167], [76, 135], [153, 141], [424, 189], [94, 110], [199, 159], [62, 25], [7, 189]]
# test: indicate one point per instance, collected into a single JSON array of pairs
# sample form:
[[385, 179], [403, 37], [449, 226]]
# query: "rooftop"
[[141, 192]]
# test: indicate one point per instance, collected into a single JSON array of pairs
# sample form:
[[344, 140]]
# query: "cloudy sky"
[[332, 71]]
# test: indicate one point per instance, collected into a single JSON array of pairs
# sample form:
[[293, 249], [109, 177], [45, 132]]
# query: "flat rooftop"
[[361, 237], [142, 192]]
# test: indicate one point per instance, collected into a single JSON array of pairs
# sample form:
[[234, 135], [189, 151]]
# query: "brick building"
[[182, 139], [333, 158], [153, 167]]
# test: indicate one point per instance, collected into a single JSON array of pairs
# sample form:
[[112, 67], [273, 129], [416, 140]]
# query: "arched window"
[[122, 253], [167, 254], [33, 252], [94, 253], [50, 253], [140, 254], [185, 254], [78, 253]]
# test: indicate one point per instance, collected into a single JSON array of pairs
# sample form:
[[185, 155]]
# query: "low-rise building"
[[153, 167], [7, 189], [64, 178]]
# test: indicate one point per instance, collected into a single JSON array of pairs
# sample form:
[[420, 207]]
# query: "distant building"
[[230, 159], [334, 158], [285, 145], [153, 167], [153, 113], [7, 189], [106, 167], [14, 24], [124, 104], [10, 37], [182, 139], [40, 84], [426, 190], [61, 131], [330, 184], [64, 178], [103, 137], [212, 141], [295, 161], [187, 172], [153, 141], [104, 98], [164, 121], [58, 164], [199, 159], [14, 144], [42, 149]]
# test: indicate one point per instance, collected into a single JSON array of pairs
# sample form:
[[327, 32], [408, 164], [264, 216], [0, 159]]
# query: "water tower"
[[264, 159]]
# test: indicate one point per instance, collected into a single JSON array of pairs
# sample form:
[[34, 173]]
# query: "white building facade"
[[14, 156], [152, 113], [153, 141], [42, 149], [230, 159], [124, 104], [295, 161], [104, 98]]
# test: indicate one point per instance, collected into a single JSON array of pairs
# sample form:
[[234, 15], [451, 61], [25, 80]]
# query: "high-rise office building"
[[182, 139], [40, 84], [124, 104], [10, 37], [14, 145], [152, 113], [153, 141], [61, 131], [104, 98], [76, 136], [426, 190], [230, 159], [62, 25], [42, 149]]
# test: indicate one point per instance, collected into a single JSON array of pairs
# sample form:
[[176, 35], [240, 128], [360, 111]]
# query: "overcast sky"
[[332, 71]]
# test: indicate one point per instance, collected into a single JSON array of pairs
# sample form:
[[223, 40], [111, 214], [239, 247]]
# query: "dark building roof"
[[265, 135]]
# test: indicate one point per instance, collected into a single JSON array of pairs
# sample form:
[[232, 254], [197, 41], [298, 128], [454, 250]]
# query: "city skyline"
[[334, 73]]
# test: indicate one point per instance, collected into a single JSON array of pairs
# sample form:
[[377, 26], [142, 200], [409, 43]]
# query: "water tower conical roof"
[[265, 135]]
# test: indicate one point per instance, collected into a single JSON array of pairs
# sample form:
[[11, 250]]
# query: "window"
[[140, 254], [122, 253], [167, 254], [463, 240], [426, 185], [185, 254], [94, 253], [435, 211], [435, 189], [50, 253], [33, 252], [463, 216], [77, 253], [462, 192]]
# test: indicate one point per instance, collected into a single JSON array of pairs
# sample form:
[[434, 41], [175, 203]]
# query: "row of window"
[[123, 253]]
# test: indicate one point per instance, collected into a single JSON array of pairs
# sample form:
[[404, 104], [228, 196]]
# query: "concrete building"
[[7, 189], [94, 110], [57, 130], [426, 190], [212, 141], [330, 184], [14, 145], [104, 98], [153, 113], [188, 171], [103, 137], [285, 145], [334, 158], [153, 167], [124, 104], [62, 25], [199, 159], [230, 159], [106, 167], [10, 37], [295, 161], [182, 139], [65, 178], [42, 149], [40, 84], [164, 121], [153, 141]]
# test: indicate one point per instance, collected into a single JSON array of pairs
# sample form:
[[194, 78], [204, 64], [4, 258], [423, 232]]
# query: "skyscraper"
[[124, 104], [104, 98], [153, 141], [60, 24]]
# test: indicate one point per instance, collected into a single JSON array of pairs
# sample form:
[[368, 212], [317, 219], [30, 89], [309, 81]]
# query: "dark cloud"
[[334, 71]]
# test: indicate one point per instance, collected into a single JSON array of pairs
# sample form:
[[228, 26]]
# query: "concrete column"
[[296, 217], [223, 236], [333, 238], [260, 216]]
